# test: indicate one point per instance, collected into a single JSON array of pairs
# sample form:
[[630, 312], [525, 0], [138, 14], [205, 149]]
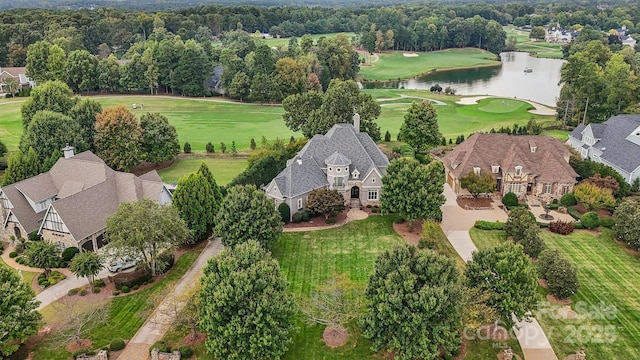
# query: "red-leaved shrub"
[[561, 227]]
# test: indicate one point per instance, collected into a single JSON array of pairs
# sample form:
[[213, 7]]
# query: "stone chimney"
[[356, 122], [68, 151]]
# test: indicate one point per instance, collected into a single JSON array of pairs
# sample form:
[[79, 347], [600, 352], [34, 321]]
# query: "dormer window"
[[339, 169], [330, 169], [476, 170], [373, 180], [495, 169], [355, 174], [518, 170]]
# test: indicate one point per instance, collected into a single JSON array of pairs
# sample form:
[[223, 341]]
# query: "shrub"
[[73, 291], [116, 344], [129, 279], [69, 253], [125, 289], [399, 220], [115, 292], [135, 287], [561, 277], [297, 217], [374, 210], [34, 236], [568, 200], [163, 264], [187, 148], [330, 221], [574, 213], [96, 289], [561, 227], [554, 201], [43, 282], [609, 223], [427, 244], [79, 352], [578, 225], [21, 261], [210, 148], [13, 254], [99, 283], [83, 292], [510, 199], [489, 225], [590, 220], [305, 216], [285, 212], [160, 345], [387, 136], [186, 352]]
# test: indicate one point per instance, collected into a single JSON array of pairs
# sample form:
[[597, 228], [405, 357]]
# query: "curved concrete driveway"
[[456, 223]]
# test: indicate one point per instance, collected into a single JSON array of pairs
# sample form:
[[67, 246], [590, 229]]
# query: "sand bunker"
[[409, 54]]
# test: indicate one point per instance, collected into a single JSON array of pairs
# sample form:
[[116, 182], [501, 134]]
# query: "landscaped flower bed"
[[54, 278]]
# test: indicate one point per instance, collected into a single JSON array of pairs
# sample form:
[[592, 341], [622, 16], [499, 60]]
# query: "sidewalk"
[[456, 223], [160, 321]]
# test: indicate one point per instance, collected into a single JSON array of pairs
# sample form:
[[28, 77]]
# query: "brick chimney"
[[68, 151]]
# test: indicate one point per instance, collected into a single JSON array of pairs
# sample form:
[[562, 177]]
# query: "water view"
[[520, 76]]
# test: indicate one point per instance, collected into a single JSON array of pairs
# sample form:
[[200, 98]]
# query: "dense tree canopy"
[[413, 190], [144, 228], [627, 227], [414, 304], [43, 255], [17, 310], [84, 112], [506, 273], [477, 184], [50, 131], [159, 138], [246, 214], [52, 95], [246, 310], [196, 203], [420, 128], [87, 264], [117, 138], [21, 166]]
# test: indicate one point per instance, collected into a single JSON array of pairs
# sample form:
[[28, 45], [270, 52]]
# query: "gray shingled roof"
[[598, 130], [577, 132], [341, 143], [86, 190], [337, 159], [617, 150]]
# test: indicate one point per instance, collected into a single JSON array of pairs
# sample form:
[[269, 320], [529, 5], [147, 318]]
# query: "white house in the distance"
[[615, 142], [343, 159]]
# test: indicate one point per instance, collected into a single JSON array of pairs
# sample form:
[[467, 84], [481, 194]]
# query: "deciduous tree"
[[159, 138], [45, 255], [21, 166], [52, 95], [413, 190], [87, 264], [593, 197], [17, 310], [50, 131], [247, 214], [118, 136], [478, 184], [336, 302], [145, 228], [84, 112], [507, 274], [80, 71], [414, 304], [420, 128], [325, 201], [246, 309], [79, 319]]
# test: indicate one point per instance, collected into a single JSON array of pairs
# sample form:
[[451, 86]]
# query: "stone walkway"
[[161, 319], [456, 223]]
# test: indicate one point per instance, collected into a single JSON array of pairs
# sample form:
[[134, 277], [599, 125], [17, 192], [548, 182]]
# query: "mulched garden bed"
[[335, 336], [318, 221], [469, 203], [602, 213]]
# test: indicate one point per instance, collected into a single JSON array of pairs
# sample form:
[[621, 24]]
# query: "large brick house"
[[343, 159], [524, 165], [69, 204]]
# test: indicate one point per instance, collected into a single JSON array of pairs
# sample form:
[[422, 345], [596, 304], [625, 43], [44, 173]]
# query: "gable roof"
[[549, 162], [615, 144], [84, 191], [341, 145]]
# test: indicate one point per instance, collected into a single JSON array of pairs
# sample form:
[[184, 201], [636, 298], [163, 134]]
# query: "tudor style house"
[[615, 142], [343, 159], [525, 165], [69, 204]]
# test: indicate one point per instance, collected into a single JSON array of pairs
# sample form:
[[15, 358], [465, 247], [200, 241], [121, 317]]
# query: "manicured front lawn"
[[394, 65], [608, 302], [126, 313], [11, 122], [307, 259], [27, 276], [224, 169]]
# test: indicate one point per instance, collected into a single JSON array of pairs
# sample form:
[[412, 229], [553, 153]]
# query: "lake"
[[508, 80]]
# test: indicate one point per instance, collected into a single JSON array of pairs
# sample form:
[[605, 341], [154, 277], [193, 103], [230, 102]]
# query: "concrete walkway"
[[456, 223], [161, 319]]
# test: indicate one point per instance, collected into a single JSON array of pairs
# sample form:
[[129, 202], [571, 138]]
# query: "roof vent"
[[299, 161], [604, 148]]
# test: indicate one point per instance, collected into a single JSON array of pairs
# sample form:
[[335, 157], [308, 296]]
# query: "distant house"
[[627, 40], [524, 165], [69, 204], [343, 159], [18, 73], [615, 142]]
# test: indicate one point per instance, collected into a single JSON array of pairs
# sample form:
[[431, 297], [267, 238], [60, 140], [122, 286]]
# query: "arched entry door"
[[355, 192]]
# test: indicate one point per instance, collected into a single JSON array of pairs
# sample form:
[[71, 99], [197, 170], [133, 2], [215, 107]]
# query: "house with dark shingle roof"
[[343, 159], [525, 165], [615, 142], [69, 204]]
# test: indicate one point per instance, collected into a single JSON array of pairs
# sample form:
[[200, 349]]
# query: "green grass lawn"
[[126, 313], [608, 286], [394, 65], [561, 135], [224, 169], [536, 48], [27, 276], [11, 122]]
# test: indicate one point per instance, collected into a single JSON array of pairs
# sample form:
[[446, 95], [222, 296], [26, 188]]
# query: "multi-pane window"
[[516, 188], [54, 222], [299, 204], [547, 188], [338, 182], [373, 194]]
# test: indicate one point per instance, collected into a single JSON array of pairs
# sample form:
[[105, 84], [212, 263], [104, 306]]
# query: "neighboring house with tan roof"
[[524, 165], [18, 73], [343, 159], [69, 204], [615, 142]]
